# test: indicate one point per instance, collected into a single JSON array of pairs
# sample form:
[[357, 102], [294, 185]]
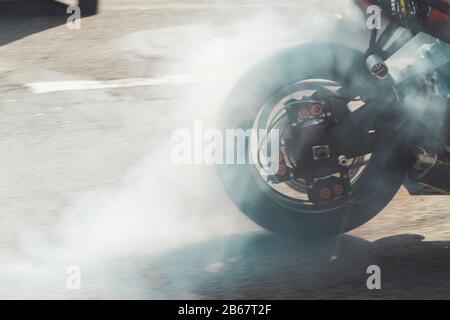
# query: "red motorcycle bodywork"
[[435, 16]]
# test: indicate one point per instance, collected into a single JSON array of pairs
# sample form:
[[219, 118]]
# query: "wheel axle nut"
[[321, 152]]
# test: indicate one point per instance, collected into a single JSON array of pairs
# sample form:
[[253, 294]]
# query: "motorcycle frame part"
[[427, 168], [438, 28], [385, 46]]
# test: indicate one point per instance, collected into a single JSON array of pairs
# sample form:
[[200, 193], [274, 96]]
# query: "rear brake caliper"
[[307, 153], [329, 189]]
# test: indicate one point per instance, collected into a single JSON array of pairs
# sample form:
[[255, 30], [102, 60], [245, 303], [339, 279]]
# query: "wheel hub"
[[307, 151]]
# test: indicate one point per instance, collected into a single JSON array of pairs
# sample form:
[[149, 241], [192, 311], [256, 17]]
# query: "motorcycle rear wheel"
[[376, 187]]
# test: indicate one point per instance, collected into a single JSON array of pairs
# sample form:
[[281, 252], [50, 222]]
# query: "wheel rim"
[[293, 192]]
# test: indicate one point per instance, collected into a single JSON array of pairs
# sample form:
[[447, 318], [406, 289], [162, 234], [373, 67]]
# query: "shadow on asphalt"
[[19, 19], [262, 266]]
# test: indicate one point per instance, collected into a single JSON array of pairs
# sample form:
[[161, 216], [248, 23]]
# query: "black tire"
[[88, 7], [374, 189]]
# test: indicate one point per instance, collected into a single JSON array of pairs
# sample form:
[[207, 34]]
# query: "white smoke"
[[157, 206], [160, 205]]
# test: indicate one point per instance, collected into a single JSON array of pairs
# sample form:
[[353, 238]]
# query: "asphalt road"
[[85, 173]]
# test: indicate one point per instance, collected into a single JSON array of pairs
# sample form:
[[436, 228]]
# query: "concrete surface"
[[84, 178]]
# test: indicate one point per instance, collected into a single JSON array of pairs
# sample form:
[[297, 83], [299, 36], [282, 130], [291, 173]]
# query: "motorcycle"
[[349, 133]]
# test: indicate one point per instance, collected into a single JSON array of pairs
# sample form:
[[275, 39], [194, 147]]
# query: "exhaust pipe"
[[431, 170]]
